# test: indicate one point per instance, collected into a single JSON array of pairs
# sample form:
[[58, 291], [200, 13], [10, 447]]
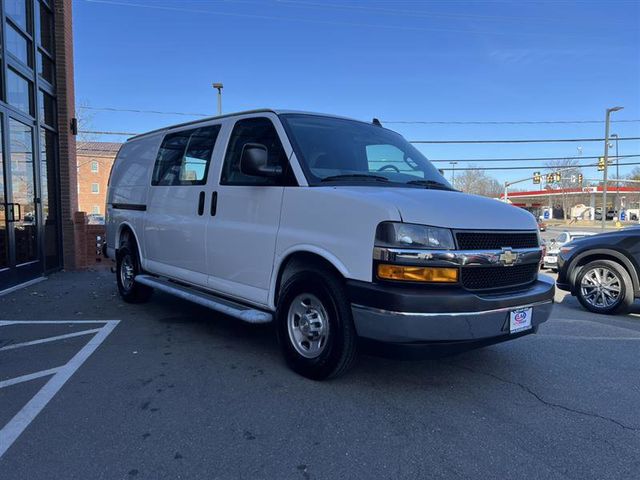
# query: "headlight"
[[408, 235]]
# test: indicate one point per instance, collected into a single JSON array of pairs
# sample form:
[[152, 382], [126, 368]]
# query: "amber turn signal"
[[418, 274]]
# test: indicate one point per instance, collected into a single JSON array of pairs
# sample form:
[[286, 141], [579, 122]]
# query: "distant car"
[[542, 226], [553, 247], [95, 219], [602, 270], [611, 214]]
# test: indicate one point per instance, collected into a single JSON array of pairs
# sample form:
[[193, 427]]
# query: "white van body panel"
[[174, 234], [442, 208], [337, 223], [128, 185], [241, 237]]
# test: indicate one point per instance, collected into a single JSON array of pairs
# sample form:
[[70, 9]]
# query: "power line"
[[407, 122], [505, 122], [93, 132], [530, 167], [556, 140], [474, 160], [134, 110]]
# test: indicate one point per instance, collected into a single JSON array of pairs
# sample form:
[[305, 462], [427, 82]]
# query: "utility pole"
[[453, 173], [606, 162], [219, 86]]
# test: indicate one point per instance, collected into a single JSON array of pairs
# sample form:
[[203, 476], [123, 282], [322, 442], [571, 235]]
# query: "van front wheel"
[[127, 267], [314, 324]]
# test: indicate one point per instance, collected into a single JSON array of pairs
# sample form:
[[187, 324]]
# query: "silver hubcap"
[[308, 325], [600, 287], [127, 272]]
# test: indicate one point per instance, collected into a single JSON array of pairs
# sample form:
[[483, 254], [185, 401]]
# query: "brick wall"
[[87, 200], [88, 240], [66, 141]]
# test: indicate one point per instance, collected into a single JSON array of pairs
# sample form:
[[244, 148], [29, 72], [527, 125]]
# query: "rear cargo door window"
[[184, 157]]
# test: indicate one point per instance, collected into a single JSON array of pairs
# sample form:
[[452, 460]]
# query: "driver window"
[[388, 158]]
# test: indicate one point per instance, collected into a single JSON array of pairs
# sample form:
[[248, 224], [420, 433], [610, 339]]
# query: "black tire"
[[624, 298], [131, 292], [339, 348]]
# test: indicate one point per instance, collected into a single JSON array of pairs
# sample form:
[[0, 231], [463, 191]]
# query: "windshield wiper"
[[429, 184], [355, 176]]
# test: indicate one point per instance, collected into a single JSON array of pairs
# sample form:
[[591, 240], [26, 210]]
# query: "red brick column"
[[66, 141]]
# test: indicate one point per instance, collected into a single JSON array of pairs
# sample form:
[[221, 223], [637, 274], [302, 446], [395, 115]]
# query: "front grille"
[[485, 278], [496, 240]]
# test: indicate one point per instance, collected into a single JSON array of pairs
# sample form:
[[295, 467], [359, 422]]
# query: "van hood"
[[442, 208]]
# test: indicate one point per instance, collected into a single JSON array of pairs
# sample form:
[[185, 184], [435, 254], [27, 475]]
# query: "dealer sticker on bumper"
[[520, 320]]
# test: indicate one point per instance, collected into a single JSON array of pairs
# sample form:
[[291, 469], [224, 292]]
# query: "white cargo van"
[[337, 230]]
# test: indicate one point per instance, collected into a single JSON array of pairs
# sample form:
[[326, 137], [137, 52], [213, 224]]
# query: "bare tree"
[[635, 174], [570, 170], [85, 122], [476, 181]]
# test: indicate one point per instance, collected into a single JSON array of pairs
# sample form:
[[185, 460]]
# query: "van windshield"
[[335, 150]]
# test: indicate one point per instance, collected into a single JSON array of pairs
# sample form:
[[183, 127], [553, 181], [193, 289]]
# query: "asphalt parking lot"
[[171, 390]]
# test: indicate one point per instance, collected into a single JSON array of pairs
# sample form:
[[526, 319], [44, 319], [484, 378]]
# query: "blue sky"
[[395, 60]]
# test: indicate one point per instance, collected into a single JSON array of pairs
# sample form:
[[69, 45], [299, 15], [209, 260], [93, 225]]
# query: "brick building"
[[94, 165], [38, 194]]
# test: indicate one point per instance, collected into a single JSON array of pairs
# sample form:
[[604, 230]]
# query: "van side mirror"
[[254, 161]]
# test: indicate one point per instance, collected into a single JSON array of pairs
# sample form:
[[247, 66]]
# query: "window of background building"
[[95, 210], [95, 188], [46, 28], [18, 45], [19, 92], [18, 11], [94, 167], [47, 107]]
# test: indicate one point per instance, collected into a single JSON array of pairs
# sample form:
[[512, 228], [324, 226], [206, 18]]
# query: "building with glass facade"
[[37, 145]]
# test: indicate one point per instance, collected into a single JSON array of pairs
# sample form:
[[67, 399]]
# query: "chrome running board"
[[222, 305]]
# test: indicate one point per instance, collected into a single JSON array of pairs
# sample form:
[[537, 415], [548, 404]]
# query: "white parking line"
[[49, 339], [12, 430], [28, 377]]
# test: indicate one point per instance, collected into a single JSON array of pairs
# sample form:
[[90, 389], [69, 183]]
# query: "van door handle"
[[201, 204], [214, 203]]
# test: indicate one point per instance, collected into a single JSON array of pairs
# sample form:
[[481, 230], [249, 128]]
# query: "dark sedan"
[[602, 270]]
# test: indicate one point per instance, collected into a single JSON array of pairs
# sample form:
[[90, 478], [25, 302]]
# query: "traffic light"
[[557, 177], [601, 164], [550, 178], [536, 178], [580, 178]]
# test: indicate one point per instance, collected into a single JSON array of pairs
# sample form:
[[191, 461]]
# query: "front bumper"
[[417, 315]]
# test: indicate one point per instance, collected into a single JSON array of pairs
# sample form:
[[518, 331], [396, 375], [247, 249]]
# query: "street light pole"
[[615, 202], [453, 174], [606, 163], [219, 86]]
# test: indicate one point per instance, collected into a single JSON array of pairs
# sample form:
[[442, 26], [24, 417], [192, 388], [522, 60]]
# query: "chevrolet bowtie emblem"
[[507, 257]]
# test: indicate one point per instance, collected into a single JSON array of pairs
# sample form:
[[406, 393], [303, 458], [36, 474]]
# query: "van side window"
[[183, 158], [253, 130]]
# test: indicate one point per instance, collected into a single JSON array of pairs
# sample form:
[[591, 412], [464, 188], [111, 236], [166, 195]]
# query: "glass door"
[[4, 228], [21, 221]]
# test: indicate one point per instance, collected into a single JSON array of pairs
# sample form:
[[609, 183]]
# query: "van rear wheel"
[[127, 267], [314, 325]]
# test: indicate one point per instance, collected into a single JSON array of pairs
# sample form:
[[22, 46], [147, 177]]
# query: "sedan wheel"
[[604, 286], [601, 287]]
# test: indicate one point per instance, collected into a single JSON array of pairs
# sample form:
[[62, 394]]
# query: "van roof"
[[235, 114]]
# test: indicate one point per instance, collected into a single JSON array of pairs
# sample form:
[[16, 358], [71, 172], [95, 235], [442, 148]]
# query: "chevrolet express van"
[[335, 229]]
